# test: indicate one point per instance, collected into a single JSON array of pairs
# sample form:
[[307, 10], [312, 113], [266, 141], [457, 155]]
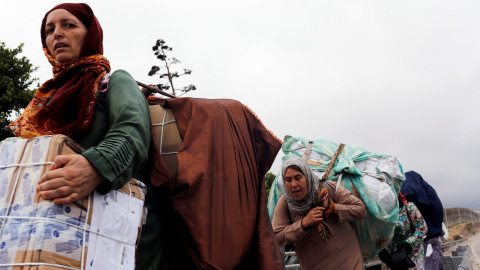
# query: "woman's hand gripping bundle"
[[323, 199]]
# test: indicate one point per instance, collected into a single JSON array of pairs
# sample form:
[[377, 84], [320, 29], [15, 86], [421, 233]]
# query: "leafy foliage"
[[268, 182], [161, 49], [15, 79]]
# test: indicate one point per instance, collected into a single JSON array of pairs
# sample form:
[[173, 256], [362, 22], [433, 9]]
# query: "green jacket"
[[117, 145]]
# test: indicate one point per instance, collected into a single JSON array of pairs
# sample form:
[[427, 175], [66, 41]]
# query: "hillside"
[[459, 223], [463, 230]]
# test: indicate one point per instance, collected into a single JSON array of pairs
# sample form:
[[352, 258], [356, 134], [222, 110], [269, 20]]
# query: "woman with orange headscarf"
[[112, 124]]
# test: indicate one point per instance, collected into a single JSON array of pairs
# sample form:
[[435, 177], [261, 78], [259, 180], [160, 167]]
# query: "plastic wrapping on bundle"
[[375, 178]]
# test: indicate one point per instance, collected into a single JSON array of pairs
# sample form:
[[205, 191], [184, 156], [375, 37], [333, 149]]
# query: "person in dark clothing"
[[425, 198]]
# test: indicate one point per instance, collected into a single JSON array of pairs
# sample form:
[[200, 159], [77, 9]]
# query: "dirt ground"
[[463, 230]]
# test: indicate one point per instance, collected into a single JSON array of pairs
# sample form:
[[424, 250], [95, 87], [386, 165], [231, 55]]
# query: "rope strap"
[[307, 151], [38, 264], [163, 124], [332, 163], [25, 165]]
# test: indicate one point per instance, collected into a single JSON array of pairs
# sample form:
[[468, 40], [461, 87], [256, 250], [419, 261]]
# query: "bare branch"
[[160, 51]]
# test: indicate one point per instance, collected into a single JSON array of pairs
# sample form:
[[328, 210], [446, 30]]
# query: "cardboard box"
[[96, 232]]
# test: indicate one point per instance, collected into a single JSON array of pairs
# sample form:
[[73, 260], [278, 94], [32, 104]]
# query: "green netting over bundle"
[[376, 179]]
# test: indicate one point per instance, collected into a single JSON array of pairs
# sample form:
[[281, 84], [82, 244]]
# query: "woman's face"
[[65, 35], [296, 184]]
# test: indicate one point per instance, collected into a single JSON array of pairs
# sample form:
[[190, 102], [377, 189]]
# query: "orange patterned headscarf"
[[402, 199], [65, 104]]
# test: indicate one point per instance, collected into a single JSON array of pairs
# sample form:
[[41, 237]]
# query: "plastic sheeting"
[[377, 179]]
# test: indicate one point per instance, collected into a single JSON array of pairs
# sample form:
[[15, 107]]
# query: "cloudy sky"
[[395, 77]]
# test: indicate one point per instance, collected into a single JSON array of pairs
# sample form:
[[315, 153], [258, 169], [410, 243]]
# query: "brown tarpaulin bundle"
[[219, 218]]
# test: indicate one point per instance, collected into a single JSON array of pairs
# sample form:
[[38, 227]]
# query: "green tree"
[[268, 182], [15, 79]]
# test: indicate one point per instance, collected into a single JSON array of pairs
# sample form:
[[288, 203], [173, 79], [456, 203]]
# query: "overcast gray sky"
[[395, 77]]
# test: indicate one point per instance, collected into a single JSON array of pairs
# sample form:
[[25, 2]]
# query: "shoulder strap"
[[332, 190], [339, 181], [412, 228], [307, 151], [330, 166], [102, 91]]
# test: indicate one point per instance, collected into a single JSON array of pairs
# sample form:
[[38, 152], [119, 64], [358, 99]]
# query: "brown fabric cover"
[[218, 192]]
